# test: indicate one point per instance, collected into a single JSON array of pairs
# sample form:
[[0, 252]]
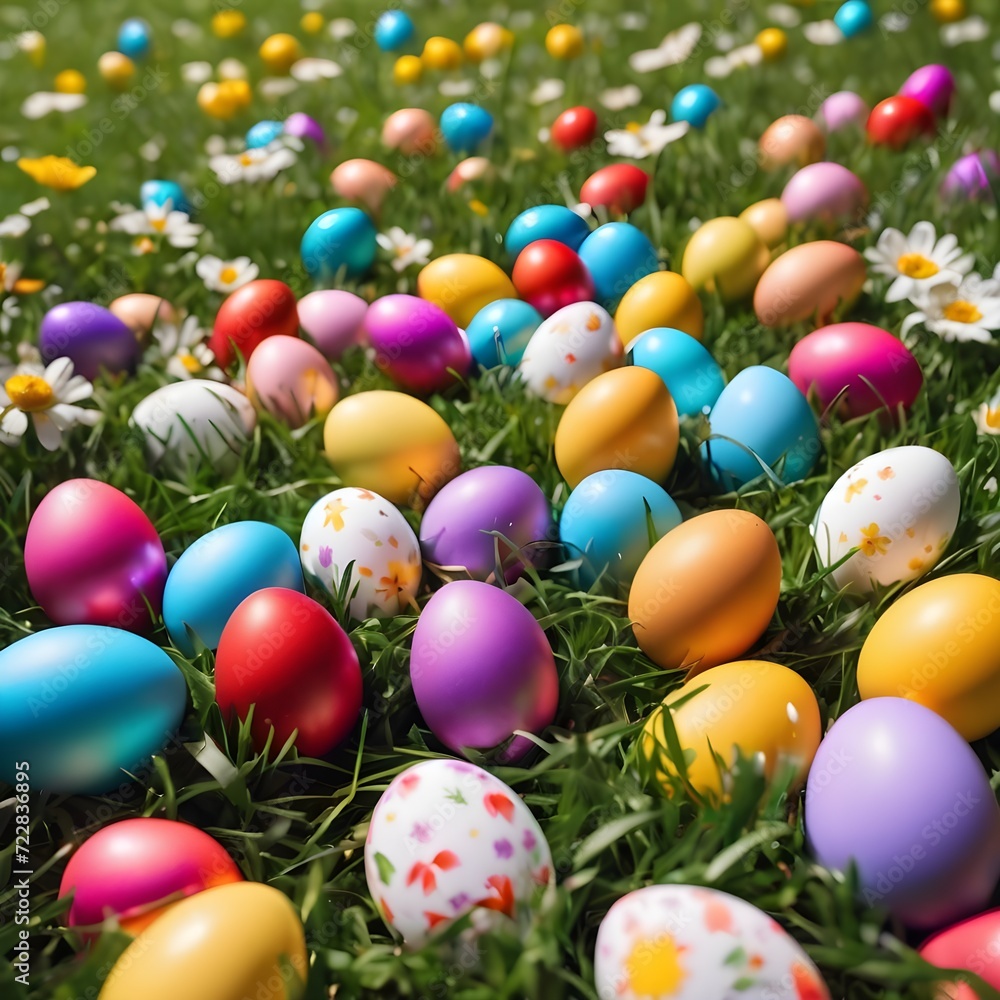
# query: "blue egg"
[[465, 126], [690, 372], [694, 103], [263, 134], [500, 331], [83, 704], [134, 38], [393, 30], [761, 411], [545, 222], [604, 523], [617, 255], [218, 572], [854, 18], [160, 192], [341, 238]]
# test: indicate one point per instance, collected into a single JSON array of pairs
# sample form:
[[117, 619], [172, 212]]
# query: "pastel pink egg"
[[475, 168], [363, 180], [824, 192], [412, 131], [291, 380], [841, 110], [333, 320], [933, 86]]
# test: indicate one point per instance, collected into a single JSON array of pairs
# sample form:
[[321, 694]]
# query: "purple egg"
[[841, 110], [455, 526], [416, 344], [304, 126], [89, 335], [333, 320], [973, 176], [823, 192], [481, 668], [933, 86], [897, 789]]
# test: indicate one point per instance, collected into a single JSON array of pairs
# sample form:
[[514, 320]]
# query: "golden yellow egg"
[[116, 69], [441, 53], [659, 299], [769, 220], [280, 52], [725, 255], [486, 40], [406, 70], [70, 81], [947, 11], [462, 283], [312, 23], [228, 23], [773, 44], [564, 41]]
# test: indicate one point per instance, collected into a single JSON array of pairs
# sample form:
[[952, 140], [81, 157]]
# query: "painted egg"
[[549, 275], [303, 126], [226, 943], [854, 18], [706, 591], [291, 380], [514, 685], [129, 869], [865, 367], [416, 343], [470, 170], [933, 86], [92, 337], [618, 187], [898, 508], [84, 704], [693, 943], [139, 312], [363, 180], [824, 192], [340, 240], [217, 572], [159, 193], [279, 53], [948, 11], [357, 526], [897, 121], [842, 110], [929, 850], [486, 41], [500, 331], [660, 299], [260, 309], [462, 283], [116, 69], [412, 131], [393, 29], [446, 839], [441, 53], [972, 944], [197, 423], [691, 374], [574, 129], [571, 347], [465, 126], [769, 220], [545, 222], [973, 176], [725, 255], [92, 557], [333, 320], [605, 523], [791, 139], [263, 134], [694, 104], [617, 255]]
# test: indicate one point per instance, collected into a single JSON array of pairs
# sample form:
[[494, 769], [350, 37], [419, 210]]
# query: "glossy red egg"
[[897, 121], [972, 944], [286, 655], [620, 187], [574, 128], [261, 309], [549, 275]]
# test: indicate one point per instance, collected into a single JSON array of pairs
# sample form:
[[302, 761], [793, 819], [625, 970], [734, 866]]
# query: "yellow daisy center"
[[993, 418], [29, 393], [190, 363], [916, 265], [246, 159], [633, 127], [228, 275], [478, 207], [962, 312], [3, 273], [159, 225], [654, 968]]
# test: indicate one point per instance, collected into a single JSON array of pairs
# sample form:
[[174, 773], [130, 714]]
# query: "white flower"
[[962, 312], [547, 90], [231, 69], [823, 33], [159, 220], [405, 247], [725, 41], [745, 55], [346, 115], [226, 275], [341, 28], [196, 72], [995, 102], [48, 395], [582, 209], [43, 103], [185, 351], [673, 50], [918, 261], [620, 98], [632, 21], [215, 145], [972, 29], [718, 67], [987, 417], [253, 165], [544, 134], [641, 141], [895, 22], [783, 15], [273, 88], [15, 225], [34, 207], [9, 311], [991, 485], [456, 88], [309, 70]]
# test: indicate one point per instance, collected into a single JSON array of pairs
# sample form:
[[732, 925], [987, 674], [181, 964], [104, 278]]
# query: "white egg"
[[447, 838], [899, 508], [574, 345], [355, 525], [693, 943], [197, 421]]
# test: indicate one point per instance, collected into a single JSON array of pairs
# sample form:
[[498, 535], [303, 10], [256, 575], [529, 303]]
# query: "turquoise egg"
[[263, 134], [854, 18], [83, 704], [500, 331], [694, 104], [545, 222], [604, 523], [341, 239], [692, 375], [465, 126], [135, 38], [160, 192], [617, 255], [762, 413], [393, 30]]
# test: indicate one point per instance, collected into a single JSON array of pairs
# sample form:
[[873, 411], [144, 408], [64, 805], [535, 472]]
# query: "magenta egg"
[[824, 192], [481, 667], [933, 86], [973, 176], [333, 320], [304, 126], [291, 380], [92, 557], [841, 110]]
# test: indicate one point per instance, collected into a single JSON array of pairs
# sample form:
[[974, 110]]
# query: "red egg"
[[260, 309], [574, 128], [620, 187], [549, 275], [286, 655], [972, 944], [897, 121]]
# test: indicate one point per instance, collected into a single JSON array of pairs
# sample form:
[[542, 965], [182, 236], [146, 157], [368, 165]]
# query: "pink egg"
[[973, 176], [842, 109], [139, 311], [412, 131], [475, 168], [824, 192], [333, 320], [363, 180], [291, 380], [972, 944], [933, 86]]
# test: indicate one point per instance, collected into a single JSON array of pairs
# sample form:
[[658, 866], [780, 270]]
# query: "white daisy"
[[620, 98], [640, 141], [226, 275], [972, 29], [253, 165], [9, 311], [185, 351], [274, 88], [456, 88], [310, 70], [987, 417], [341, 28], [232, 69], [41, 104], [196, 72], [673, 50], [962, 312], [15, 225], [405, 248], [823, 32], [918, 261], [783, 14], [158, 220], [718, 67], [745, 55], [546, 91], [33, 208], [895, 22]]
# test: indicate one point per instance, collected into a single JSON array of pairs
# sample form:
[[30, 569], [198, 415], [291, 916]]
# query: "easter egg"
[[897, 121], [355, 526], [617, 255], [841, 110], [604, 523], [933, 86], [973, 176], [773, 44], [70, 81], [545, 222], [568, 349], [791, 139], [660, 299], [500, 331], [824, 192], [769, 220], [407, 70], [514, 684], [279, 53], [725, 255], [898, 508], [161, 193], [486, 41], [303, 126], [549, 275], [691, 374], [92, 337], [462, 283], [618, 187], [694, 943], [470, 170], [564, 41], [465, 126], [218, 571], [263, 134], [260, 309], [226, 943], [393, 30], [412, 131], [92, 557], [364, 181], [574, 128], [928, 851], [332, 319], [479, 850], [971, 944], [862, 366], [694, 104], [706, 591], [854, 18], [948, 11], [116, 69], [340, 239], [441, 53], [86, 706], [140, 312], [129, 869], [291, 380]]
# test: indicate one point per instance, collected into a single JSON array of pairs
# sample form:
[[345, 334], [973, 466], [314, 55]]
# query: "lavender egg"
[[823, 192], [933, 86], [841, 110], [333, 320], [303, 126], [91, 336], [973, 176]]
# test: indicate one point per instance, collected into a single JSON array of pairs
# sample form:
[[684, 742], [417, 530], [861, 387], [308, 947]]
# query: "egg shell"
[[462, 283], [824, 192], [549, 275], [263, 134], [568, 349], [393, 29], [447, 838], [545, 222], [135, 37], [973, 176], [365, 181], [84, 704], [769, 220], [706, 591], [791, 139], [809, 281], [617, 255], [841, 110], [690, 372], [260, 309], [226, 943], [928, 851], [139, 312], [218, 571], [159, 192], [725, 255], [92, 337], [303, 126], [471, 169], [854, 18], [291, 380], [92, 557], [618, 187], [694, 943], [340, 241], [898, 121], [933, 86], [694, 104], [659, 299], [898, 507], [963, 946], [500, 332], [130, 868], [333, 320], [574, 128], [871, 367], [465, 126]]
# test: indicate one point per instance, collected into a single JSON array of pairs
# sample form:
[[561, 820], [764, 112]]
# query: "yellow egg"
[[407, 69], [312, 23], [231, 942], [441, 53], [116, 69], [773, 44], [769, 220], [706, 591], [947, 11], [486, 40], [564, 41], [280, 52], [750, 708], [659, 299], [725, 255], [224, 100], [228, 23], [462, 283], [392, 444], [939, 645], [623, 419], [71, 81]]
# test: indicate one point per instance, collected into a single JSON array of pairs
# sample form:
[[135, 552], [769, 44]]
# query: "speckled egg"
[[791, 139], [660, 299], [92, 337], [725, 255], [333, 320], [462, 283], [826, 193], [291, 380]]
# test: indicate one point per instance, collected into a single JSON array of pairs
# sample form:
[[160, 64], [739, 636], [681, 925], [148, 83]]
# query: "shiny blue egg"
[[135, 37], [263, 134], [690, 372], [81, 705], [160, 192], [693, 104], [545, 222], [500, 331], [393, 30], [343, 238], [218, 572], [465, 126], [604, 523], [854, 18], [763, 414], [617, 255]]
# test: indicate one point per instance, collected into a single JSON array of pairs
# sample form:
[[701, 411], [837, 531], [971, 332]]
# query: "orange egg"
[[791, 139], [139, 311], [363, 180], [769, 220], [659, 299], [410, 130]]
